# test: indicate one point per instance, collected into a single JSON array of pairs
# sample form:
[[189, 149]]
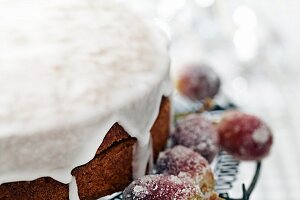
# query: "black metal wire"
[[246, 192], [225, 171]]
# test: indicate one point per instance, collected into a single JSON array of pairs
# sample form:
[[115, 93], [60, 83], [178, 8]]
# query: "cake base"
[[108, 172]]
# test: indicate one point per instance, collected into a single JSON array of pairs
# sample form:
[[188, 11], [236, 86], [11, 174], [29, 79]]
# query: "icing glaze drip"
[[70, 69], [73, 190]]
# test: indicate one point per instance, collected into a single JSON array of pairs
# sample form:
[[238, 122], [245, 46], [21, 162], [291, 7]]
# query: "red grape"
[[245, 136], [198, 82], [197, 133], [188, 165], [161, 187]]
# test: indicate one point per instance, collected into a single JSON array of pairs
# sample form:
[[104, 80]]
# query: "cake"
[[84, 105]]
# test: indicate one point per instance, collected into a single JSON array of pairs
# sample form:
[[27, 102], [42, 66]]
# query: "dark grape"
[[245, 136], [197, 133], [198, 82]]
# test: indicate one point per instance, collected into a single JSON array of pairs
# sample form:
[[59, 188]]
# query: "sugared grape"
[[197, 82], [245, 136], [197, 133], [161, 187], [187, 165]]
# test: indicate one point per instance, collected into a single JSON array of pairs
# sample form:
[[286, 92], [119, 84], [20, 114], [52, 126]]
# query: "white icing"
[[73, 190], [70, 69], [109, 197]]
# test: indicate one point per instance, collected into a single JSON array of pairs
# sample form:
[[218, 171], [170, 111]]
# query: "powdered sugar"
[[161, 187], [245, 136], [140, 189], [261, 135], [186, 164], [195, 132]]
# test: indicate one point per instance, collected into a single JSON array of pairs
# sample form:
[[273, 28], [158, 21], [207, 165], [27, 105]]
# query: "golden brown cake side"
[[161, 128], [110, 170], [39, 189]]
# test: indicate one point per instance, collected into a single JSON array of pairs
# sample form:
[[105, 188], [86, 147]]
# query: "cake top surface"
[[65, 62]]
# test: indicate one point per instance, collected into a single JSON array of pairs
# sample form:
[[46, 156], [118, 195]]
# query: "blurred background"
[[254, 46]]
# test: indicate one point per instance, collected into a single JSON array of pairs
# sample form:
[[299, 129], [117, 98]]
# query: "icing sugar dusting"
[[261, 135], [181, 159], [161, 187], [140, 189], [196, 132], [186, 164]]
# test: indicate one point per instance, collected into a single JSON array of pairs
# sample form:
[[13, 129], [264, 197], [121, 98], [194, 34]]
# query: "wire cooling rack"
[[226, 168]]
